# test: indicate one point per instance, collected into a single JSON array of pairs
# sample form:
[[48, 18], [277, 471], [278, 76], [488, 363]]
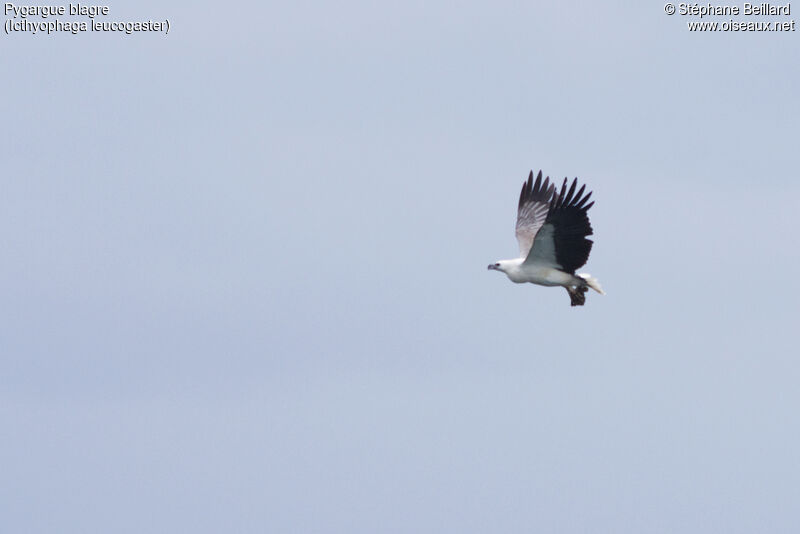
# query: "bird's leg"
[[577, 295]]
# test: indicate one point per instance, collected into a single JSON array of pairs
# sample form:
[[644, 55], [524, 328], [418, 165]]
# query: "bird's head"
[[501, 266]]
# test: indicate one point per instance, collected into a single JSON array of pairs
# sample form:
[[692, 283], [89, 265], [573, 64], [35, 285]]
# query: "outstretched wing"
[[534, 203], [561, 240]]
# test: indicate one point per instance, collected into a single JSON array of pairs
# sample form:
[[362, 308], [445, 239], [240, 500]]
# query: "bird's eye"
[[497, 265]]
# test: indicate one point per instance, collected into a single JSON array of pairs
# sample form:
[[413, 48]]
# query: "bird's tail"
[[592, 282]]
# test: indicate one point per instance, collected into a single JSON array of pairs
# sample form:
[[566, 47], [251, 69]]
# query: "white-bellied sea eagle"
[[551, 230]]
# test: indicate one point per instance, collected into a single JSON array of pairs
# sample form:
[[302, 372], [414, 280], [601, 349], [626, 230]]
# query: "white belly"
[[543, 276]]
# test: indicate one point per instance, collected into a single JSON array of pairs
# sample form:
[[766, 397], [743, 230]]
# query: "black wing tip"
[[570, 198], [559, 198], [535, 190]]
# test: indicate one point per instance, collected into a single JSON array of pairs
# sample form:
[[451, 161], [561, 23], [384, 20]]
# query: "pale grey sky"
[[244, 281]]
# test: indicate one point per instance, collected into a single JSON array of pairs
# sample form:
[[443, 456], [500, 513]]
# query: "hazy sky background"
[[244, 282]]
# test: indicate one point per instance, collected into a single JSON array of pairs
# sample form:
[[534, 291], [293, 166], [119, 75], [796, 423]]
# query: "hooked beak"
[[492, 267]]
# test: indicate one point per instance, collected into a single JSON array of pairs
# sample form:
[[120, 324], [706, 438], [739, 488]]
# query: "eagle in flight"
[[552, 227]]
